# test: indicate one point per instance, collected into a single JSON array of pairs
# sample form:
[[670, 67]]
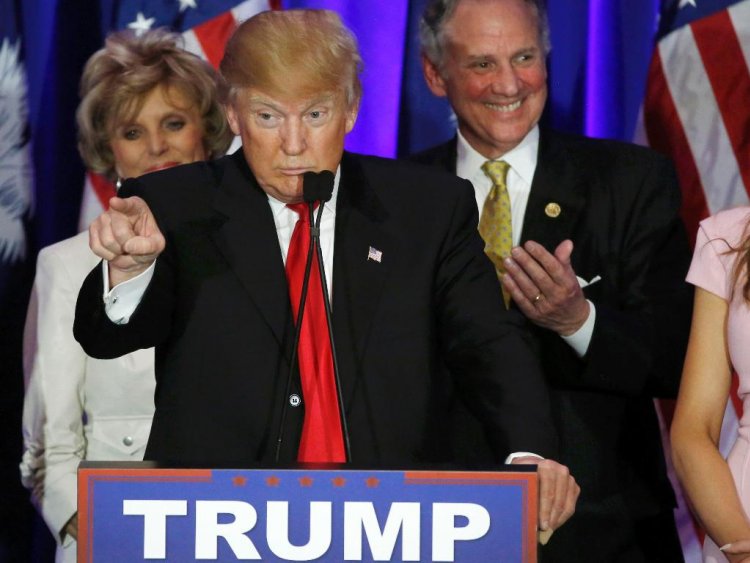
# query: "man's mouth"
[[504, 108], [294, 171]]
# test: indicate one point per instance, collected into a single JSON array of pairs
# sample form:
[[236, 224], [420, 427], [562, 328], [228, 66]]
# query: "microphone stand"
[[317, 187], [315, 240], [293, 366]]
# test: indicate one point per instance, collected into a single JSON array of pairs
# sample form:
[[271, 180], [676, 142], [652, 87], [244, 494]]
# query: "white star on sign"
[[185, 4], [684, 3], [141, 24]]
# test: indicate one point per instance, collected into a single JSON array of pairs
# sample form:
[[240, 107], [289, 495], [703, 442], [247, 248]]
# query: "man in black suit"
[[597, 265], [417, 319]]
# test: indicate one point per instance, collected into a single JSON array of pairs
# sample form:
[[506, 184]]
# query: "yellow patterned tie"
[[495, 224]]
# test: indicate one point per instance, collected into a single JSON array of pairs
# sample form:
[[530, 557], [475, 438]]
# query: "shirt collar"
[[522, 158]]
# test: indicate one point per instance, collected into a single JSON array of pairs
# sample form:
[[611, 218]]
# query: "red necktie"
[[321, 431]]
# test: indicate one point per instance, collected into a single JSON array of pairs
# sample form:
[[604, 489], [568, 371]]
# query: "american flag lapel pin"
[[374, 254]]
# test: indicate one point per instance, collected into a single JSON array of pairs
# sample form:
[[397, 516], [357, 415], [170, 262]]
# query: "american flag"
[[374, 254], [697, 110], [697, 106], [205, 26]]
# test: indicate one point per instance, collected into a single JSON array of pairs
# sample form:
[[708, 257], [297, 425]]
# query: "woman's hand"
[[738, 551], [71, 528]]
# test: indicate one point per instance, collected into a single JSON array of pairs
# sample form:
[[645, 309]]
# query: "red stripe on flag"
[[103, 188], [666, 135], [213, 35], [725, 66]]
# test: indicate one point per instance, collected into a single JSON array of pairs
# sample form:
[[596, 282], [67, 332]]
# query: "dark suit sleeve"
[[640, 335], [148, 326], [486, 347]]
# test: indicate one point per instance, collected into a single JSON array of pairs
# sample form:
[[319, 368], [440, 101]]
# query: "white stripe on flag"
[[91, 207], [701, 120], [192, 44], [740, 16], [247, 9]]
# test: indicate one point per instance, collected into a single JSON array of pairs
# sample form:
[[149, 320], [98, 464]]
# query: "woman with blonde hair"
[[146, 104], [719, 489]]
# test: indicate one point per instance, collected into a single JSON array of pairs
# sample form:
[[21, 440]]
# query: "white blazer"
[[76, 407]]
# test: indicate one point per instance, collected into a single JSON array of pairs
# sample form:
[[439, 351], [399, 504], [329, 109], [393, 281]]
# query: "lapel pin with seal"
[[552, 210]]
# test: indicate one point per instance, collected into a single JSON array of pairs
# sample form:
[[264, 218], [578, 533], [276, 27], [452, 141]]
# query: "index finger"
[[530, 267], [129, 206], [548, 261], [547, 492]]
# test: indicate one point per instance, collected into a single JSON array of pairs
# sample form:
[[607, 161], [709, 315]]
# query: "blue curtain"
[[597, 71]]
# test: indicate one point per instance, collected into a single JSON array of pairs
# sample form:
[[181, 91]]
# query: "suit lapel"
[[249, 242], [557, 186], [357, 278]]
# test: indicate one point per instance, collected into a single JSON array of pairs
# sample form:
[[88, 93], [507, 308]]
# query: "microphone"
[[317, 186]]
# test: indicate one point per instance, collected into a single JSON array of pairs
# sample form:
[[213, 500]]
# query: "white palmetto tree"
[[16, 197]]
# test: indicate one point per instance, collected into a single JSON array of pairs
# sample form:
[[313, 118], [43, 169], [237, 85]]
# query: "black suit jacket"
[[414, 332], [619, 205]]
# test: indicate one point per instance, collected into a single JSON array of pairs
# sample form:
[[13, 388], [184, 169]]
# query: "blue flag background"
[[597, 72]]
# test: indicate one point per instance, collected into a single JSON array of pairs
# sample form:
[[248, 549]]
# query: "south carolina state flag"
[[205, 26]]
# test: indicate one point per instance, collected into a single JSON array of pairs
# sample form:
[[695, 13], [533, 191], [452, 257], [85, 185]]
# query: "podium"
[[132, 512]]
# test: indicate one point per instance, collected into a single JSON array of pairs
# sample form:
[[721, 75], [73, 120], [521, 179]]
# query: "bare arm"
[[697, 422]]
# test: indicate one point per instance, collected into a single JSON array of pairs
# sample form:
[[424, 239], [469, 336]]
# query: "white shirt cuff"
[[581, 338], [514, 455], [122, 300]]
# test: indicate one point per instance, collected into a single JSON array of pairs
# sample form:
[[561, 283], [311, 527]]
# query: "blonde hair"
[[293, 51], [117, 78]]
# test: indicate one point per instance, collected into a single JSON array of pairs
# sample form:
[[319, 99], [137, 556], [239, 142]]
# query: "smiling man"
[[198, 259], [587, 243]]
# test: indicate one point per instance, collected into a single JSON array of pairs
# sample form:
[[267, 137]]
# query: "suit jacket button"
[[295, 400], [127, 440]]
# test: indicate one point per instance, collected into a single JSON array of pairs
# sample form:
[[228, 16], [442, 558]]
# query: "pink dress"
[[712, 270]]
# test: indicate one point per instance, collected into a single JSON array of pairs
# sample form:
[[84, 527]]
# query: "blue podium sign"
[[133, 512]]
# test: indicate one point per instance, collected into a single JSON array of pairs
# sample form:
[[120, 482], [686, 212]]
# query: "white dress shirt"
[[522, 160]]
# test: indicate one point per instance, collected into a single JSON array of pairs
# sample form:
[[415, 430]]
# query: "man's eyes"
[[525, 58]]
